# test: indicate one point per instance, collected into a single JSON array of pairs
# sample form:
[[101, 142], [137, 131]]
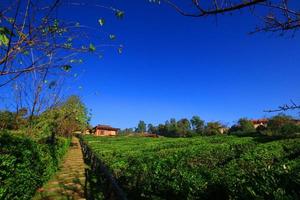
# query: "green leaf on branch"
[[11, 20], [67, 68], [3, 40], [101, 22], [120, 50], [26, 53], [4, 33], [68, 45], [119, 14], [4, 30], [92, 47], [112, 36]]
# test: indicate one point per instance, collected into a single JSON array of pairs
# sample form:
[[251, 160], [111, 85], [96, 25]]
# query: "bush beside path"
[[70, 181]]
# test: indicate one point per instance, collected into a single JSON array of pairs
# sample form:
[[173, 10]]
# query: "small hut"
[[260, 122], [104, 130]]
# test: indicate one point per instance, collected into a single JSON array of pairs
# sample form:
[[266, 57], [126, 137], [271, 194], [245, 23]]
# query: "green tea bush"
[[214, 167], [26, 164], [266, 172]]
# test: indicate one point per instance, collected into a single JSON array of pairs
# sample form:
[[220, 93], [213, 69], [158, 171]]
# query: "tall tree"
[[197, 124], [151, 129], [172, 127], [246, 125], [141, 128], [63, 119], [184, 126], [213, 128]]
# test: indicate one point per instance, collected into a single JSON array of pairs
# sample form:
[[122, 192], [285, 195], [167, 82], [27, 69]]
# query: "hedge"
[[26, 164], [218, 167]]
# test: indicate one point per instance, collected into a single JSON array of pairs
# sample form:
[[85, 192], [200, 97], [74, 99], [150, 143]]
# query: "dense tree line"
[[12, 120], [277, 125], [68, 116], [187, 127], [179, 128], [280, 124]]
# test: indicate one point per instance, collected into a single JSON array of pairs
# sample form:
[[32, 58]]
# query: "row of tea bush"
[[217, 167]]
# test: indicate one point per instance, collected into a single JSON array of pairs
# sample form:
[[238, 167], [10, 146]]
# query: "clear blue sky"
[[173, 66]]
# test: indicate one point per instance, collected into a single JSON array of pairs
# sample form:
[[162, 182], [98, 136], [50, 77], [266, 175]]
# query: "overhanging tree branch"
[[285, 107], [276, 15], [216, 10]]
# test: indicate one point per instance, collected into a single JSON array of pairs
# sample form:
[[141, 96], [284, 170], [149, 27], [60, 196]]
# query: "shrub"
[[61, 120], [7, 120], [290, 128], [261, 128], [26, 164], [266, 172], [213, 128], [243, 127], [281, 124]]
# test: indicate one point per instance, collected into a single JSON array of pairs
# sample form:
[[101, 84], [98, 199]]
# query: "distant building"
[[104, 130], [87, 131], [260, 122], [223, 130], [264, 122]]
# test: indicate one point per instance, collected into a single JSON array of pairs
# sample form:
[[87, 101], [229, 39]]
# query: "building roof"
[[260, 121], [105, 127]]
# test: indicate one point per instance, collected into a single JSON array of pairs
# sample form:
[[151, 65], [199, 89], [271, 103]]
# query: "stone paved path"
[[69, 182]]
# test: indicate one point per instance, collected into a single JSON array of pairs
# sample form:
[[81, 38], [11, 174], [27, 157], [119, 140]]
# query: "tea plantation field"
[[214, 167]]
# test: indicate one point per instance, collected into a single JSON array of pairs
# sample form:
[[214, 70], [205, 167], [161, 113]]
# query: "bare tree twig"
[[278, 16], [285, 107]]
